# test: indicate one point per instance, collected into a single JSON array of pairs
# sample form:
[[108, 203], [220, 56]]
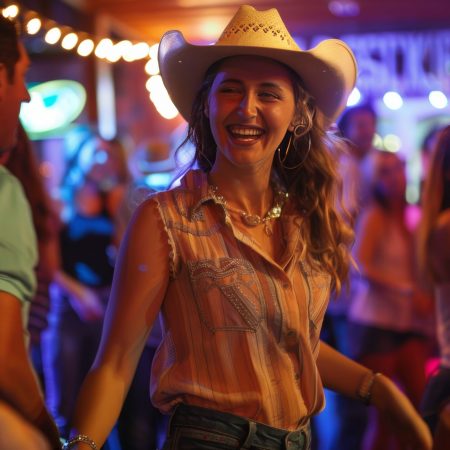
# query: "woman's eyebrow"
[[231, 80], [265, 84], [270, 84]]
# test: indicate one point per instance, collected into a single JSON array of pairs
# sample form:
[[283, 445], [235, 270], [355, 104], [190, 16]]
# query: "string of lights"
[[103, 48]]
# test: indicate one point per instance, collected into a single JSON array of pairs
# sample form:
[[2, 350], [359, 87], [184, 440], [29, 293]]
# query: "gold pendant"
[[268, 228], [251, 219]]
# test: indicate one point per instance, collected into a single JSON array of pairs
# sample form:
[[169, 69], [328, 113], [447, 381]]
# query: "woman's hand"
[[399, 412]]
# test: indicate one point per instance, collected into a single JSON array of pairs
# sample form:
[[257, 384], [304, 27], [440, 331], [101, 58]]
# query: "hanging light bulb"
[[52, 36], [103, 47], [152, 67], [393, 100], [69, 41], [140, 50], [438, 99], [11, 11], [153, 51], [86, 47], [33, 25]]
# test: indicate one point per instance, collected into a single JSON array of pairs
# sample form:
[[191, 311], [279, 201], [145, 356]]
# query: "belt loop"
[[251, 434]]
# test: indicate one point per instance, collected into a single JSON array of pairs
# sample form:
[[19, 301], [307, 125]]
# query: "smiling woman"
[[242, 256], [250, 106]]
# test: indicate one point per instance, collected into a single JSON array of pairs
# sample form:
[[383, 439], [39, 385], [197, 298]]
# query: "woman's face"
[[361, 130], [88, 201], [105, 168], [390, 176], [250, 107]]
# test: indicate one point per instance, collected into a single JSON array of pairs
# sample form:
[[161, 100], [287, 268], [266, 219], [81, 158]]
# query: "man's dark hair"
[[345, 119], [9, 46]]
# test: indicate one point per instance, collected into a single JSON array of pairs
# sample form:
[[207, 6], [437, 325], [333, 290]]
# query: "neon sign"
[[54, 105]]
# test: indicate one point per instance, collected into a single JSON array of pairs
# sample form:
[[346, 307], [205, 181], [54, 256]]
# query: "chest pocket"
[[227, 293]]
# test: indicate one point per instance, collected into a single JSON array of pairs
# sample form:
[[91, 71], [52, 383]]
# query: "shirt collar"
[[196, 182]]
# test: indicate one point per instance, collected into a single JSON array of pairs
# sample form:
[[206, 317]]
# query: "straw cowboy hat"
[[328, 70]]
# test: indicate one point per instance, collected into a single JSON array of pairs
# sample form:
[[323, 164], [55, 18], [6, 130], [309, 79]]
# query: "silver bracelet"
[[80, 438], [364, 392]]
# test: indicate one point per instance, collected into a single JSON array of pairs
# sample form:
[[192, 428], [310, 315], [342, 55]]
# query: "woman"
[[434, 251], [390, 316], [239, 259]]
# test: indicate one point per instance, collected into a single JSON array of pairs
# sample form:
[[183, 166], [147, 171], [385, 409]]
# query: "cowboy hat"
[[328, 70]]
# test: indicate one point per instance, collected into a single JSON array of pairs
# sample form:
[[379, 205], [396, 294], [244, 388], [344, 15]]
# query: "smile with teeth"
[[245, 132]]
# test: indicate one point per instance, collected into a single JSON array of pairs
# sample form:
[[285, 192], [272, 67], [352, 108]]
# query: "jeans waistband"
[[237, 432]]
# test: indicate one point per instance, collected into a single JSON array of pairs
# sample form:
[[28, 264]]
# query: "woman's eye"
[[229, 89], [269, 95]]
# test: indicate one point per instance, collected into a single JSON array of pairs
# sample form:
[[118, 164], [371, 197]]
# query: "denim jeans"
[[194, 428]]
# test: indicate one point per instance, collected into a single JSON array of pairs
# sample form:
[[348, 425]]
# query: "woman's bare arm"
[[139, 286], [345, 376]]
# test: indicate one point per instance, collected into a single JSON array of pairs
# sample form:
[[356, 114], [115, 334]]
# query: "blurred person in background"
[[390, 316], [434, 261], [93, 188], [426, 150], [357, 125], [24, 418]]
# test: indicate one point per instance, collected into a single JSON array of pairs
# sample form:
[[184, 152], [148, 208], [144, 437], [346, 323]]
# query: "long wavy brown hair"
[[307, 166], [436, 198]]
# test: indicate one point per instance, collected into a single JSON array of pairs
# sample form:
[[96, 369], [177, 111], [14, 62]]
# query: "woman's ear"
[[294, 122], [206, 109]]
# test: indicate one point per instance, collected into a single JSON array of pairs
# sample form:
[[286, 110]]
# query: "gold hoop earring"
[[287, 151], [300, 130], [288, 147]]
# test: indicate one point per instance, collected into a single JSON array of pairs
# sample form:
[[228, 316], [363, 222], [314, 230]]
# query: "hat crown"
[[253, 28]]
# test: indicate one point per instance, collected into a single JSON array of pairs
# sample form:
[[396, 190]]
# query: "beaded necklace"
[[252, 220]]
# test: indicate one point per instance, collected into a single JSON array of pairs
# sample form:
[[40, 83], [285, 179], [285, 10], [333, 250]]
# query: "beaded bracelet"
[[364, 392], [80, 438]]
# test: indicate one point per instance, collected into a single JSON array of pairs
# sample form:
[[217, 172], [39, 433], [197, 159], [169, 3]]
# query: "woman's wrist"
[[79, 439], [385, 393], [366, 387]]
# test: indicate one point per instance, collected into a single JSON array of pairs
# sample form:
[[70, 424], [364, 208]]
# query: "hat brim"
[[328, 70]]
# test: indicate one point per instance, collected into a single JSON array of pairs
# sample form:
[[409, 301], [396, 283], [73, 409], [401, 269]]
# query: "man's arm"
[[18, 255], [18, 384]]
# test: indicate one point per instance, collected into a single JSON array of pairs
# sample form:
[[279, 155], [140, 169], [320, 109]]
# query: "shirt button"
[[286, 285], [297, 376], [291, 338]]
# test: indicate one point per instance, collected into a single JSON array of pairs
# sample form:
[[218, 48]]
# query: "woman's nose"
[[248, 106]]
